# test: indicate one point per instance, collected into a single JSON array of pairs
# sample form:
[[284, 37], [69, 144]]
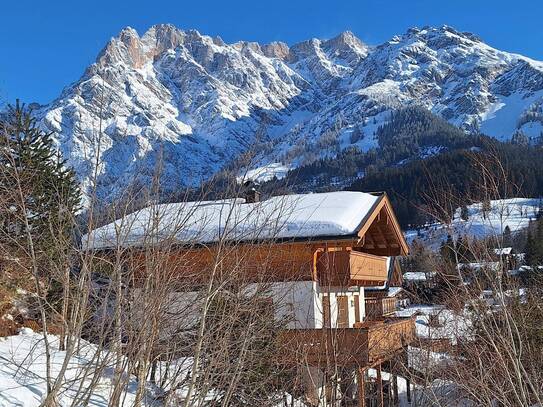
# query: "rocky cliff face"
[[189, 103]]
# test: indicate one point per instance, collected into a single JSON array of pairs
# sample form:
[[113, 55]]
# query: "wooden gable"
[[380, 233]]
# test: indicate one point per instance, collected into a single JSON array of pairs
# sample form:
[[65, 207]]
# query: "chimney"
[[251, 193]]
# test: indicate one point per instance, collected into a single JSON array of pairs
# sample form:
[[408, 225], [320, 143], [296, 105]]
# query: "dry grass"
[[8, 328]]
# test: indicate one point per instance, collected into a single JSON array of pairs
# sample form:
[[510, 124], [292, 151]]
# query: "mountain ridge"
[[193, 103]]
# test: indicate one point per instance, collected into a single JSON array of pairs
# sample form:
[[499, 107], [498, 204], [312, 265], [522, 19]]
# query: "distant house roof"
[[476, 266], [394, 291], [418, 275], [304, 216]]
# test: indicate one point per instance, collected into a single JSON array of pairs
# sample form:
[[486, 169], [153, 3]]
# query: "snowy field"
[[448, 324], [23, 373], [265, 173], [515, 213]]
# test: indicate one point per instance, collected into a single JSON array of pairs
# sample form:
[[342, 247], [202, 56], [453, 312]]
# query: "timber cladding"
[[336, 267], [366, 344], [248, 262]]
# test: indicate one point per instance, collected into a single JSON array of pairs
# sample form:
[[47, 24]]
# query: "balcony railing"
[[349, 267], [380, 307], [360, 346]]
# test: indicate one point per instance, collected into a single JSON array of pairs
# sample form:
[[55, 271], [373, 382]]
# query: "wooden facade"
[[364, 346], [350, 267]]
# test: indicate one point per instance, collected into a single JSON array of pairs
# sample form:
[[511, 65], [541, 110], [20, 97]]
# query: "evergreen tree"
[[534, 244], [448, 250], [464, 213], [507, 240], [35, 184], [357, 135], [520, 138], [420, 260]]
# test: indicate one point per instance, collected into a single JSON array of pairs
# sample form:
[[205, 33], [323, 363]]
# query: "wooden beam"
[[381, 234], [380, 398], [361, 373], [395, 397], [368, 241], [396, 227]]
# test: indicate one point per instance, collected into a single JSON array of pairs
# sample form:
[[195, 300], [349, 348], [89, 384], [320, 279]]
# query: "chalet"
[[321, 254], [507, 257]]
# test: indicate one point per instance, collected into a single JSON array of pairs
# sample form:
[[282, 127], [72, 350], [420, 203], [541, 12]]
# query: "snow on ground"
[[23, 373], [437, 392], [22, 376], [514, 212], [532, 129], [265, 173], [437, 322], [425, 360]]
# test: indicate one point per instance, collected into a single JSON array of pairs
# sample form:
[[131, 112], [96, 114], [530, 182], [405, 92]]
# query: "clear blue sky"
[[46, 45]]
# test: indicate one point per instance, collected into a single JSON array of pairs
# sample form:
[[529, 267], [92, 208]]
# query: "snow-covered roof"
[[418, 275], [394, 291], [287, 216], [483, 265]]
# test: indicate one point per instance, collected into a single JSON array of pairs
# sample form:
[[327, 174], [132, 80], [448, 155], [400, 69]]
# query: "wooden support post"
[[408, 383], [361, 373], [395, 390], [380, 399], [394, 381]]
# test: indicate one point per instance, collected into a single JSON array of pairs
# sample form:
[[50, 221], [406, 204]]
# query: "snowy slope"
[[264, 173], [515, 213], [23, 373], [189, 103]]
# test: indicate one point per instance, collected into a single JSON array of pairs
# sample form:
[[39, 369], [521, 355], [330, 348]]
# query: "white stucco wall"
[[295, 302], [298, 302]]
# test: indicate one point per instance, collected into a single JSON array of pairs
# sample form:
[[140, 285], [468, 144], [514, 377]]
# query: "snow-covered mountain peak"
[[346, 47], [347, 40], [276, 49], [429, 33], [195, 102]]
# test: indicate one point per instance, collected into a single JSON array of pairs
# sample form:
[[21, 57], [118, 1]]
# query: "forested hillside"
[[411, 186], [409, 134], [419, 152]]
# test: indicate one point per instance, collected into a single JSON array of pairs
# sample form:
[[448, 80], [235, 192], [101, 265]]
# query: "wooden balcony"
[[364, 345], [349, 267], [377, 308]]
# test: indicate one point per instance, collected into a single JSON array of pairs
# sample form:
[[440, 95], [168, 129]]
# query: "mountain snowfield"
[[189, 104]]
